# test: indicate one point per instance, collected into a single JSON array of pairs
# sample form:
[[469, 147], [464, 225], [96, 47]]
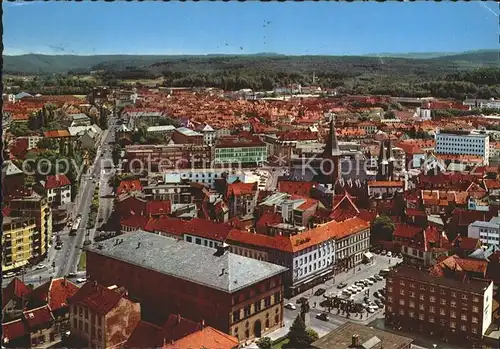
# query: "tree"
[[312, 335], [299, 338], [382, 228], [264, 343]]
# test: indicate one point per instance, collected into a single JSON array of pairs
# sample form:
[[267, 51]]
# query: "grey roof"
[[79, 116], [228, 272]]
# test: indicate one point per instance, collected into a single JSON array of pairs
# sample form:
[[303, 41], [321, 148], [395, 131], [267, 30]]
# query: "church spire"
[[332, 145]]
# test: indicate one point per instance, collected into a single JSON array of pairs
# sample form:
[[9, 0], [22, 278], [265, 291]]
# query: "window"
[[453, 324], [189, 239], [198, 241], [402, 283], [412, 314], [432, 299], [463, 317], [421, 307], [463, 328], [75, 323], [257, 305], [421, 316], [99, 321], [431, 319], [453, 294], [389, 299], [74, 310], [474, 330], [464, 297], [474, 320], [412, 284], [432, 310], [277, 297], [422, 297], [475, 309], [99, 333], [389, 289], [86, 327], [80, 324], [422, 288], [246, 311], [93, 331], [402, 292], [442, 311], [236, 315], [432, 289], [453, 314], [442, 292], [476, 300], [443, 302], [267, 301], [412, 304], [401, 312], [80, 311], [412, 294], [453, 304], [401, 302], [86, 313]]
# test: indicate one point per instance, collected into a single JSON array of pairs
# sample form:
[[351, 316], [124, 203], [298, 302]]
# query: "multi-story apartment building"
[[18, 242], [37, 207], [209, 135], [310, 256], [57, 189], [156, 158], [487, 232], [164, 130], [443, 306], [463, 143], [237, 295], [102, 317], [239, 151]]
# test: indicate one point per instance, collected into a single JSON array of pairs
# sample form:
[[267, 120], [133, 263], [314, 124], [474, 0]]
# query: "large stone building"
[[237, 295]]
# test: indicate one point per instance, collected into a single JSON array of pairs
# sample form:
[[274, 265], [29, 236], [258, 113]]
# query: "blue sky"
[[214, 27]]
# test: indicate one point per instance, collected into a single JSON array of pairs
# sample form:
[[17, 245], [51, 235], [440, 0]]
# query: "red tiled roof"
[[97, 297], [158, 207], [268, 218], [205, 338], [13, 330], [301, 188], [491, 184], [136, 221], [196, 226], [57, 181], [38, 317], [128, 186], [240, 188], [467, 243], [177, 327], [388, 184], [55, 293], [14, 290], [330, 230], [406, 231], [57, 134], [145, 335], [412, 212]]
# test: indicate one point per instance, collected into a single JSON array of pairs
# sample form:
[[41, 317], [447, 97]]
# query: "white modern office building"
[[487, 232], [463, 143]]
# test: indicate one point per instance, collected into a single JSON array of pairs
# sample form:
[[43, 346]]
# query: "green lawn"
[[280, 344], [82, 263]]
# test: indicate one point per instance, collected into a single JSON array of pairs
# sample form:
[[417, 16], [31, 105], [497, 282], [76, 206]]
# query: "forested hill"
[[35, 63]]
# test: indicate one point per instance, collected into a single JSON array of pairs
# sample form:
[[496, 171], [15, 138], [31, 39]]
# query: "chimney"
[[355, 341], [178, 318], [138, 244]]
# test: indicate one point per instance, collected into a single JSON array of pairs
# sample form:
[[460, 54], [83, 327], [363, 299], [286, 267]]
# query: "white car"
[[347, 292], [81, 280], [40, 266], [290, 306], [370, 282], [8, 275], [389, 254], [370, 310]]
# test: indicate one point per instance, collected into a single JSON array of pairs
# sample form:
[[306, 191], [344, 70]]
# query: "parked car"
[[9, 275], [378, 277], [370, 282], [346, 292], [323, 316], [389, 254], [290, 306], [372, 278], [301, 300], [81, 280], [384, 272], [376, 294], [383, 253], [71, 275], [370, 310], [319, 292], [342, 285], [378, 303], [40, 266]]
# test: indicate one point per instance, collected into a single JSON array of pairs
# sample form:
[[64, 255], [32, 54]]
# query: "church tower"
[[332, 152]]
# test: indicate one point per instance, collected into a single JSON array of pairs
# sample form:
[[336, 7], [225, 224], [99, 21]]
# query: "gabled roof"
[[13, 329], [128, 186], [38, 317], [57, 134], [54, 293], [97, 297], [302, 188], [158, 207], [16, 289], [239, 188], [206, 338]]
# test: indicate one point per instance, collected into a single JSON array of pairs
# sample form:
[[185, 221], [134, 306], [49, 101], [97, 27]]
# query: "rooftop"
[[368, 337], [199, 264]]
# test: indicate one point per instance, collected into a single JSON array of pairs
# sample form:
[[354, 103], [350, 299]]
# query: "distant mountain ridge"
[[37, 63]]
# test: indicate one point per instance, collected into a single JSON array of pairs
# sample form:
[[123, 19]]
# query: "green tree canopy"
[[264, 343], [382, 228]]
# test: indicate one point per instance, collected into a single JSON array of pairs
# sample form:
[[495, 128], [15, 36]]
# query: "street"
[[66, 259], [335, 320]]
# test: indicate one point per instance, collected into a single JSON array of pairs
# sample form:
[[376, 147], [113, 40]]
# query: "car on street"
[[301, 300], [319, 292], [384, 272], [9, 275], [81, 280], [323, 317], [71, 275], [378, 303], [342, 285], [370, 310], [378, 277], [373, 306], [389, 254], [346, 292], [290, 306], [40, 266], [372, 278], [383, 253], [376, 294], [370, 282]]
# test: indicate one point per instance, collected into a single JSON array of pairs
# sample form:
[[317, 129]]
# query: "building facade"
[[18, 242], [237, 295], [240, 151], [487, 232], [442, 306], [463, 143]]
